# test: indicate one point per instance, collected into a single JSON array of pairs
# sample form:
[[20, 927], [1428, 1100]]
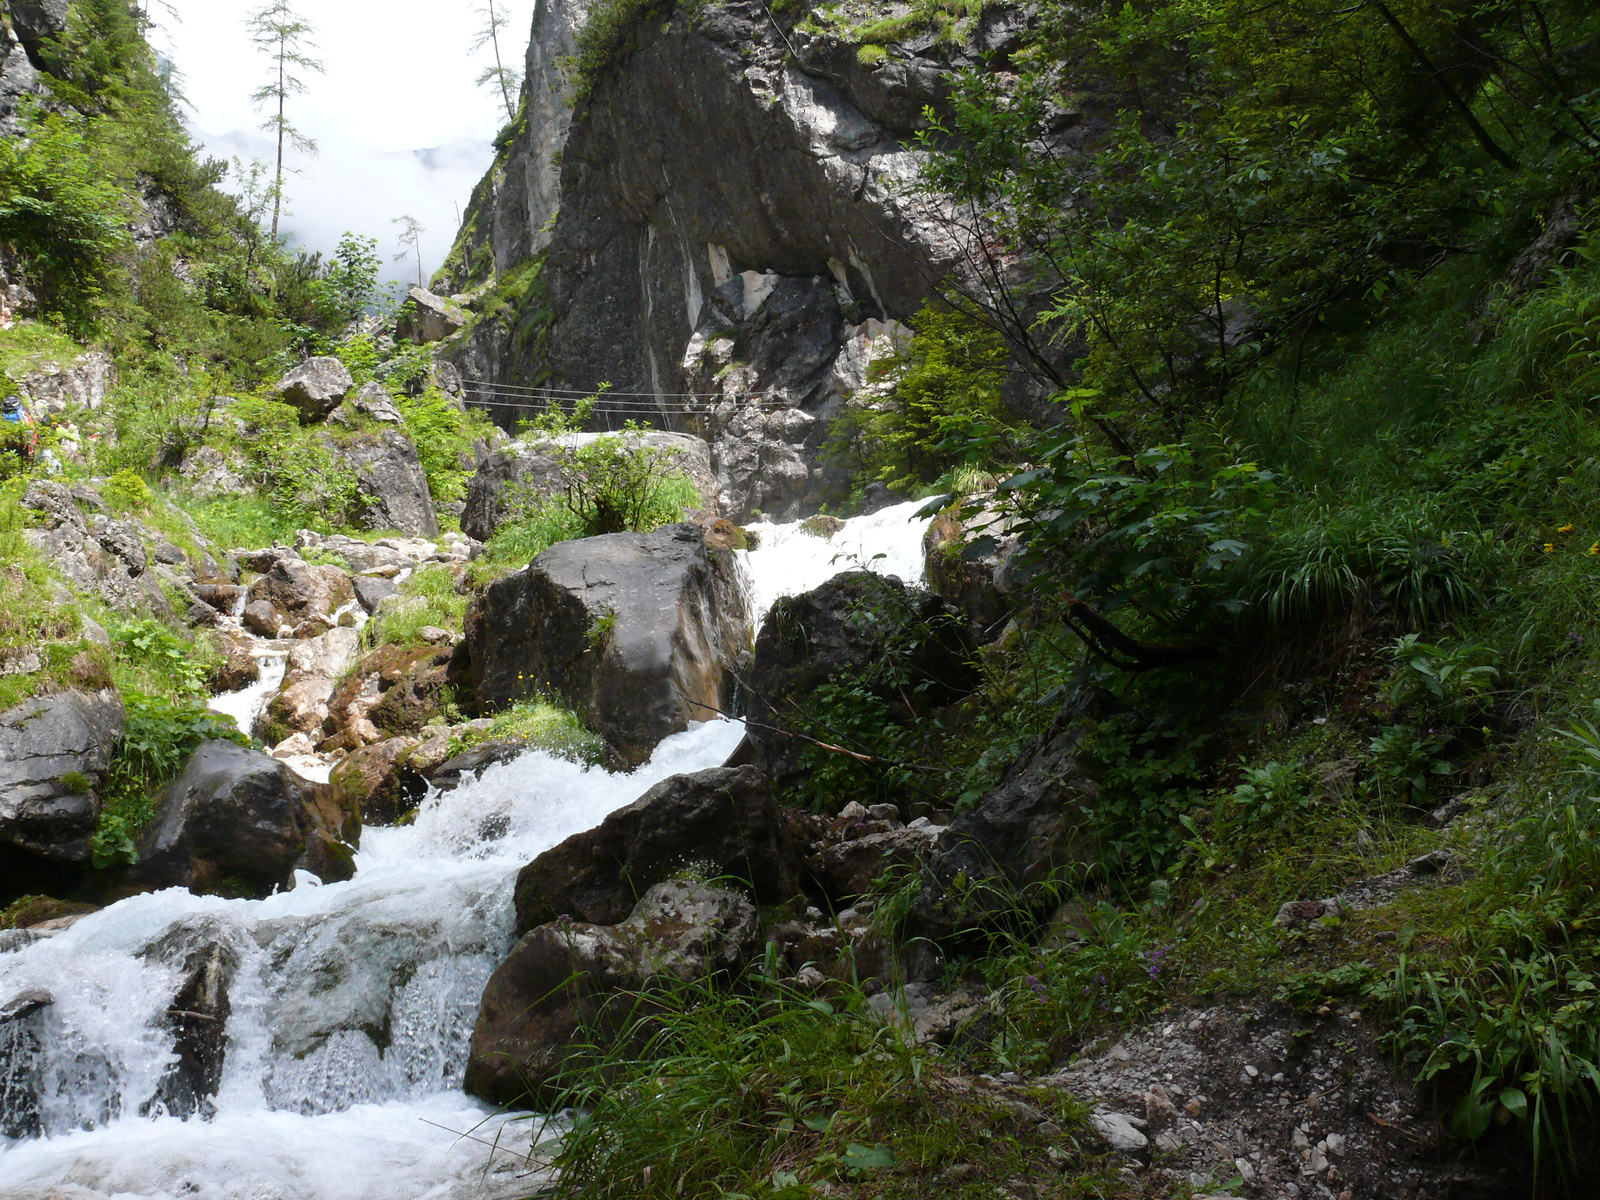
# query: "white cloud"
[[401, 125]]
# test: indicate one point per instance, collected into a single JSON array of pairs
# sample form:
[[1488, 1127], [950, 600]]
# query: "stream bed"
[[352, 1004]]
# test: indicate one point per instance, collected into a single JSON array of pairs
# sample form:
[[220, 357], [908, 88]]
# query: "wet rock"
[[561, 976], [1024, 828], [842, 628], [469, 764], [315, 387], [237, 668], [54, 753], [372, 590], [301, 591], [21, 1041], [528, 471], [264, 618], [392, 691], [198, 1021], [310, 676], [379, 781], [391, 489], [967, 558], [635, 631], [237, 821], [424, 318], [723, 820], [47, 913], [224, 597]]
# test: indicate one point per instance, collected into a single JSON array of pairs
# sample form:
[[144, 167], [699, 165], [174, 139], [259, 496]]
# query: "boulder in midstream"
[[237, 821], [849, 624], [637, 632], [569, 984], [723, 821], [531, 470]]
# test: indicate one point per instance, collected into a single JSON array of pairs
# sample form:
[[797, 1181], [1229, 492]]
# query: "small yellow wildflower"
[[1549, 548], [1594, 549], [1566, 528]]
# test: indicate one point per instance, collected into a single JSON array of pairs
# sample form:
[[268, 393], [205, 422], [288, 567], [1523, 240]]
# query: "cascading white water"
[[352, 1003]]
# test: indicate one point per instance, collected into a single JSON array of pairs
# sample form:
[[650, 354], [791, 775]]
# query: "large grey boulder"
[[315, 387], [391, 489], [852, 626], [1026, 828], [238, 821], [54, 753], [425, 317], [568, 982], [530, 470], [82, 383], [635, 631], [723, 820]]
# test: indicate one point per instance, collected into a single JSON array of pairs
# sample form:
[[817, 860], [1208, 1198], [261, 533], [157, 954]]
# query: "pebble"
[[1120, 1131], [1252, 1072]]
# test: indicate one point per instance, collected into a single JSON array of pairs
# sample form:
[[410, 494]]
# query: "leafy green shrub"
[[156, 743], [61, 212], [444, 437], [610, 485], [1404, 764], [943, 397], [126, 491], [1156, 531], [163, 661], [307, 480], [244, 522], [1450, 680]]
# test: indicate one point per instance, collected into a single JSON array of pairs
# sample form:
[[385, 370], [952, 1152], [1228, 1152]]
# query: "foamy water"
[[352, 1003]]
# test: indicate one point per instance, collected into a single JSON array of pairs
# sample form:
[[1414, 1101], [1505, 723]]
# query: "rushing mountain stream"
[[350, 1005]]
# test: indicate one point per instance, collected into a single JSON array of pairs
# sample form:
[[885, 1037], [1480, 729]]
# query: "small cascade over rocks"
[[346, 1008]]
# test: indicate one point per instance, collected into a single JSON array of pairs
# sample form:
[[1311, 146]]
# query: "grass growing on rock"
[[543, 725], [717, 1089], [431, 596]]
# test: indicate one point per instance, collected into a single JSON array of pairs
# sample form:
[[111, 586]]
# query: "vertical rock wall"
[[735, 235]]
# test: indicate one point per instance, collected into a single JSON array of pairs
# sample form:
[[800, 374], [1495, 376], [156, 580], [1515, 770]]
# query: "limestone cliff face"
[[509, 218], [735, 232]]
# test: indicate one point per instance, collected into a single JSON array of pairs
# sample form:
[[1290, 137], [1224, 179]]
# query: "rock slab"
[[723, 821], [54, 753], [568, 984], [237, 820], [635, 631]]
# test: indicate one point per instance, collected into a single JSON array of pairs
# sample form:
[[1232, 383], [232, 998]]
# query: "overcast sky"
[[401, 125]]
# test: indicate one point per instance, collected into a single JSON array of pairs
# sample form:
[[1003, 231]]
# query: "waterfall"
[[348, 1006]]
